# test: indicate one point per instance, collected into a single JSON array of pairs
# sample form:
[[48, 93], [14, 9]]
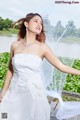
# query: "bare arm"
[[49, 55], [8, 74]]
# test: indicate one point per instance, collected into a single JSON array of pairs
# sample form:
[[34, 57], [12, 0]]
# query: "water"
[[5, 43], [65, 49], [60, 49]]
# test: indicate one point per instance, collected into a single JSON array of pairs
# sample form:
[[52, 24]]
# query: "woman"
[[23, 96]]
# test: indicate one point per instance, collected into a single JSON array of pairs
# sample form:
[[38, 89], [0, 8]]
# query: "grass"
[[70, 98], [65, 98], [8, 32], [71, 39]]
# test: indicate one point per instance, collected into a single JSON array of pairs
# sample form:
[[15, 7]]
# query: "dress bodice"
[[27, 68], [23, 61]]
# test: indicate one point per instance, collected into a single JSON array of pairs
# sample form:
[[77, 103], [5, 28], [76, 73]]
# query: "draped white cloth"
[[65, 110]]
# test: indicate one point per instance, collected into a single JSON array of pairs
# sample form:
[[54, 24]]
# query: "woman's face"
[[35, 25]]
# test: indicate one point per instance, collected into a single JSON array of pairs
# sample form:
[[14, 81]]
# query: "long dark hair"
[[22, 28]]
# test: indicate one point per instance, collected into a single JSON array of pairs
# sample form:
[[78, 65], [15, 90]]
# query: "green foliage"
[[1, 23], [5, 23], [13, 31], [73, 81], [4, 60], [6, 27]]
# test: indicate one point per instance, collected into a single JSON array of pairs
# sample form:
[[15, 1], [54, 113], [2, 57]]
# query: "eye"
[[35, 21]]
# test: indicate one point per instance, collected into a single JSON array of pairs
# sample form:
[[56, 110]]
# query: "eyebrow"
[[37, 19]]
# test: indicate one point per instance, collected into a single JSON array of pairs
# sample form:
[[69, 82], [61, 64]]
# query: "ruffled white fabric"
[[65, 110], [26, 98]]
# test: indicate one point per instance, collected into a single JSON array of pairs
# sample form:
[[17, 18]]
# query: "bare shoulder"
[[15, 44], [44, 47]]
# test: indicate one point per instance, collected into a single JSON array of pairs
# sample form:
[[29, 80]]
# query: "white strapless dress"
[[26, 97]]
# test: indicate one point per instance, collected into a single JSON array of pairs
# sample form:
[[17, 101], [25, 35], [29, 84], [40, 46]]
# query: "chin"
[[37, 33]]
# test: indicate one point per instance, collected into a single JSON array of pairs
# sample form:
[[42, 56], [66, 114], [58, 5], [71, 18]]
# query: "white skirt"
[[25, 103]]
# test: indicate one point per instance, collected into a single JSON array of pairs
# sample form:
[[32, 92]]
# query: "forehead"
[[37, 18]]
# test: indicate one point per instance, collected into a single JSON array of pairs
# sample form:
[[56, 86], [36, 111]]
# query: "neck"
[[30, 37]]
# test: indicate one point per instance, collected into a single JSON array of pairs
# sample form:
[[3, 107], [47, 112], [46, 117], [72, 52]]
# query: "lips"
[[38, 28]]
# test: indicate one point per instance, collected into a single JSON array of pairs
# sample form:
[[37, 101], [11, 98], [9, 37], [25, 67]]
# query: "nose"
[[39, 25]]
